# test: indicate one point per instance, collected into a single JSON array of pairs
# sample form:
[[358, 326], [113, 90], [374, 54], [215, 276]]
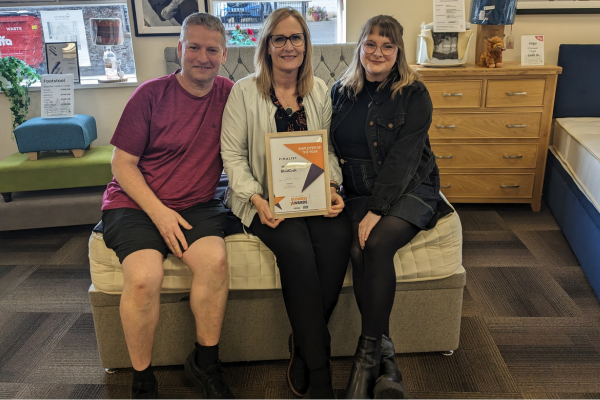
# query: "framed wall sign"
[[63, 58], [558, 7], [298, 173], [163, 17]]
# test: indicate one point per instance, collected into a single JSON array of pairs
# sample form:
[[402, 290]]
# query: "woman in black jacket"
[[381, 115]]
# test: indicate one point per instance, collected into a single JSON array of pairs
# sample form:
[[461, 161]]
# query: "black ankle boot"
[[365, 368], [389, 385], [297, 371]]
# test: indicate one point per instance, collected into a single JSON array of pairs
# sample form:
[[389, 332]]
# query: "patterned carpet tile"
[[11, 276], [74, 252], [564, 395], [476, 367], [63, 391], [463, 395], [495, 249], [25, 340], [51, 288], [520, 217], [577, 286], [481, 221], [9, 390], [549, 247], [552, 355], [519, 292], [75, 359]]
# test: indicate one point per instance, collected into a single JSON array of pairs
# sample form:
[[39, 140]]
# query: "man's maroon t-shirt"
[[177, 137]]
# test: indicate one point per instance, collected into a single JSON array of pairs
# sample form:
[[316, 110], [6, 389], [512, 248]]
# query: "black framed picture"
[[63, 58], [558, 7], [163, 17]]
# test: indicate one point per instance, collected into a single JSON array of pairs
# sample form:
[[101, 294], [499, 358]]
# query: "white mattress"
[[577, 145], [433, 254]]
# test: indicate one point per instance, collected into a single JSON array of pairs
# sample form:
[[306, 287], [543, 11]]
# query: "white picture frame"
[[148, 23]]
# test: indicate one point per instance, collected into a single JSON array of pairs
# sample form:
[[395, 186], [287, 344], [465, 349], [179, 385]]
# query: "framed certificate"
[[298, 173], [63, 58]]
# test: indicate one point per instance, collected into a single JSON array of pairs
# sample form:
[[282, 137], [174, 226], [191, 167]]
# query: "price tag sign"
[[58, 96], [532, 50]]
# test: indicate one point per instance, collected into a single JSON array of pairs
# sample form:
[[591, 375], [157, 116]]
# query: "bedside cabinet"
[[490, 130]]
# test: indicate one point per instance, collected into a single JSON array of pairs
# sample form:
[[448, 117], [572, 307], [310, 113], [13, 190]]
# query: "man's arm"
[[128, 175]]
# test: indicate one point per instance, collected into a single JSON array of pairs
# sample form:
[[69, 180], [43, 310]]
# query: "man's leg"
[[207, 259], [140, 303]]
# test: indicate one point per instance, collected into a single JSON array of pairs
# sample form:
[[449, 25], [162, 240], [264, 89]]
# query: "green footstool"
[[55, 171]]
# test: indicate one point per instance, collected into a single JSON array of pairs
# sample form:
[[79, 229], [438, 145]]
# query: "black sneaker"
[[210, 382], [145, 390], [298, 377]]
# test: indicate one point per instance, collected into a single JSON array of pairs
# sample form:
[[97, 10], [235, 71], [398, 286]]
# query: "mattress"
[[433, 254], [577, 145]]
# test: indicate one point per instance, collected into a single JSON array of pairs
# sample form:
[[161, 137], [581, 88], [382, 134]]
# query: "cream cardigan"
[[246, 119]]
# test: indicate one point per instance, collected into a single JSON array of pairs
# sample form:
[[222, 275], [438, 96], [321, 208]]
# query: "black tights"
[[373, 270]]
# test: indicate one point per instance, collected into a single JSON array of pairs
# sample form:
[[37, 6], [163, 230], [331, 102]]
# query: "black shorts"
[[127, 230]]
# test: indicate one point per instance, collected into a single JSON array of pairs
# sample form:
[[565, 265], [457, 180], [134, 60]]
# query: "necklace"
[[369, 93], [288, 110]]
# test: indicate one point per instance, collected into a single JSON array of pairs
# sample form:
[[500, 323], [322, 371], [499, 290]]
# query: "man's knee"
[[208, 256], [143, 273]]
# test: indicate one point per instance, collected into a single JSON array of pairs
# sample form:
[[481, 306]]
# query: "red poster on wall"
[[21, 37]]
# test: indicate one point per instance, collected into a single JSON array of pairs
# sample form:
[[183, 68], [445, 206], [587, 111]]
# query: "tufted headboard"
[[329, 61]]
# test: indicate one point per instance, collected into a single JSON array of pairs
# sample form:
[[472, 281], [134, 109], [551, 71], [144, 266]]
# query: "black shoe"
[[324, 391], [298, 378], [365, 369], [210, 381], [389, 385], [145, 390]]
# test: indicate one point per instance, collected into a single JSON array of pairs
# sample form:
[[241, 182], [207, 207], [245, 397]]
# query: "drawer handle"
[[516, 126], [505, 156], [445, 126], [446, 187], [452, 94], [516, 94], [509, 186], [444, 157]]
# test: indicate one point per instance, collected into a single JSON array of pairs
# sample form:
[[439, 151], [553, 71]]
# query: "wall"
[[107, 104]]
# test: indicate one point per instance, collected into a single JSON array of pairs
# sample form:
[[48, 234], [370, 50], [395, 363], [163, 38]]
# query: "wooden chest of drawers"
[[490, 130]]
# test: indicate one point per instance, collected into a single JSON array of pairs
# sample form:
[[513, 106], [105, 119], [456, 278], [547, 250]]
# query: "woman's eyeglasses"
[[387, 49], [297, 40]]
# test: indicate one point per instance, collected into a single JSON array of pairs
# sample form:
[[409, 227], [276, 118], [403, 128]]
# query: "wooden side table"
[[490, 130]]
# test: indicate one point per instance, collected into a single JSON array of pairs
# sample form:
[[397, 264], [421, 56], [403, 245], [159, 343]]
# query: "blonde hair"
[[264, 64], [401, 74]]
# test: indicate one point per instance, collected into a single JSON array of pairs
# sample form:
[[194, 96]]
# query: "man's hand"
[[337, 204], [167, 221], [264, 212], [366, 226]]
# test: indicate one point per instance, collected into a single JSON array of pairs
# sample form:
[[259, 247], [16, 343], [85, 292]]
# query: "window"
[[25, 40], [323, 17]]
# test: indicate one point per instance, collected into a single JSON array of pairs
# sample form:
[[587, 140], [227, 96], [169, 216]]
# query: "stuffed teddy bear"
[[492, 55]]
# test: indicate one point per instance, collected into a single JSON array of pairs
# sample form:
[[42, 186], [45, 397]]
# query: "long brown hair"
[[401, 74], [262, 60]]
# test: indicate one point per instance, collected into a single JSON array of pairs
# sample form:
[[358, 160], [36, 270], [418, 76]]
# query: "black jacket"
[[398, 140]]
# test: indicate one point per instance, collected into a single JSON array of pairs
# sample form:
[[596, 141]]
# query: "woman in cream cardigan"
[[312, 252]]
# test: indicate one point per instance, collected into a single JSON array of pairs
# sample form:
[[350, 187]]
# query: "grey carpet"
[[530, 327]]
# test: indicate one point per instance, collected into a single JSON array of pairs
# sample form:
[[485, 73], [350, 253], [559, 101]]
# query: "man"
[[166, 167], [178, 9]]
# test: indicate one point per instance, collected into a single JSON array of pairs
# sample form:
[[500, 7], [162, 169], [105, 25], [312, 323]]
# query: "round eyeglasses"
[[297, 40], [387, 49]]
